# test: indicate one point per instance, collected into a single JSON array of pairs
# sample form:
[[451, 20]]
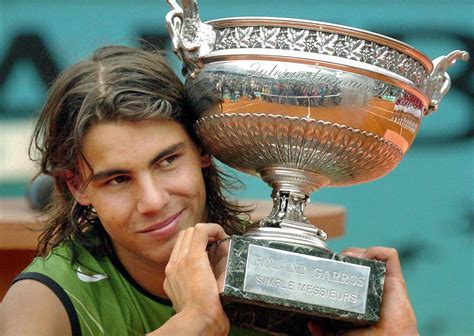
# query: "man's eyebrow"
[[106, 174], [164, 153], [112, 172]]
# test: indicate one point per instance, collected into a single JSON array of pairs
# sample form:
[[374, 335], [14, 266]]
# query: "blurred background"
[[424, 208]]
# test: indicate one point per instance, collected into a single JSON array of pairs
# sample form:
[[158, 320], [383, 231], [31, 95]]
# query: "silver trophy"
[[303, 105]]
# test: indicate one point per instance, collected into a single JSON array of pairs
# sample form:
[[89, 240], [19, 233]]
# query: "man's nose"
[[151, 196]]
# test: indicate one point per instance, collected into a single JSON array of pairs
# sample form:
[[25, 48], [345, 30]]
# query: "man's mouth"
[[165, 227]]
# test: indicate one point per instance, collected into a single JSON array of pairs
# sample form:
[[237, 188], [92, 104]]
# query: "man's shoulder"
[[96, 293], [81, 284], [30, 307]]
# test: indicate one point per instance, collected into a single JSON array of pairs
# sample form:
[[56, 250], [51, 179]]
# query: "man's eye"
[[118, 180], [168, 161]]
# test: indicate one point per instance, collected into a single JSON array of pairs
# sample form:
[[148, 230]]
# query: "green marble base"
[[279, 310]]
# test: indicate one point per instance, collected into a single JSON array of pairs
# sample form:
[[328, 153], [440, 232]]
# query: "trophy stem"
[[287, 222], [296, 181]]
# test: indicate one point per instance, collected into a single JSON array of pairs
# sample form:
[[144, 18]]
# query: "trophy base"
[[277, 287], [276, 321]]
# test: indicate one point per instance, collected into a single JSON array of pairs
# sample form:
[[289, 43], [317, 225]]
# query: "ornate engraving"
[[344, 155], [323, 43], [224, 40], [268, 37], [296, 39], [242, 36]]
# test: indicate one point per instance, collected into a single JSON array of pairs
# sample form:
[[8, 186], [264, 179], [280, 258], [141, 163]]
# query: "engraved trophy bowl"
[[304, 104]]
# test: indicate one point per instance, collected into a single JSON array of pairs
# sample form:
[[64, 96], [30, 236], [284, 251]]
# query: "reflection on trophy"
[[303, 105]]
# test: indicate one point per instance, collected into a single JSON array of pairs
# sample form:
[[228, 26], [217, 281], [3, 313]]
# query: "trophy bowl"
[[304, 105]]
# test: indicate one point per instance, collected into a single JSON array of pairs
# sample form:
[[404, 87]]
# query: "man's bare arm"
[[31, 308]]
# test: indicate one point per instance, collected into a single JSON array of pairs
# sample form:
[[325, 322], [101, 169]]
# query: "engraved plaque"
[[308, 279]]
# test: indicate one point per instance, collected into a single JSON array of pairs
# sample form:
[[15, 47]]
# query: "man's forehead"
[[128, 143]]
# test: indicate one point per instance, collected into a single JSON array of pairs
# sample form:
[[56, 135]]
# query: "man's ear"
[[205, 159], [75, 184]]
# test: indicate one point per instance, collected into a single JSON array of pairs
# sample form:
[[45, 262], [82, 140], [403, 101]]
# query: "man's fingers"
[[177, 247], [389, 256], [354, 251], [167, 287], [205, 232], [187, 241]]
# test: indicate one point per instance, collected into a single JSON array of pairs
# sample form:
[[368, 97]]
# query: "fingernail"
[[351, 254]]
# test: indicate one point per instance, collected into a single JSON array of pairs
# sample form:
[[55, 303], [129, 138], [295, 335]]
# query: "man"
[[125, 251]]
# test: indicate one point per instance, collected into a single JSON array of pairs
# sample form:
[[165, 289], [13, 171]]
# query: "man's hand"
[[191, 280], [397, 316]]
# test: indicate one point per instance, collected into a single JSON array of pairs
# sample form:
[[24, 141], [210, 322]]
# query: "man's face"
[[146, 185]]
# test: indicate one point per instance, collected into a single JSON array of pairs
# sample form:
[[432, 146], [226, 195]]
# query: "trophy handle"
[[439, 82], [191, 38]]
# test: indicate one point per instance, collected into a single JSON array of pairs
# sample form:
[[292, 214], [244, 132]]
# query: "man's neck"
[[147, 274]]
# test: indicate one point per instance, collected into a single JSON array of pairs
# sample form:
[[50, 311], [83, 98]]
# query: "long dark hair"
[[116, 83]]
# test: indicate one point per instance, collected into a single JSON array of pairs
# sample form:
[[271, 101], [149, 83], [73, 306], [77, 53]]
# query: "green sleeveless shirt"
[[100, 297]]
